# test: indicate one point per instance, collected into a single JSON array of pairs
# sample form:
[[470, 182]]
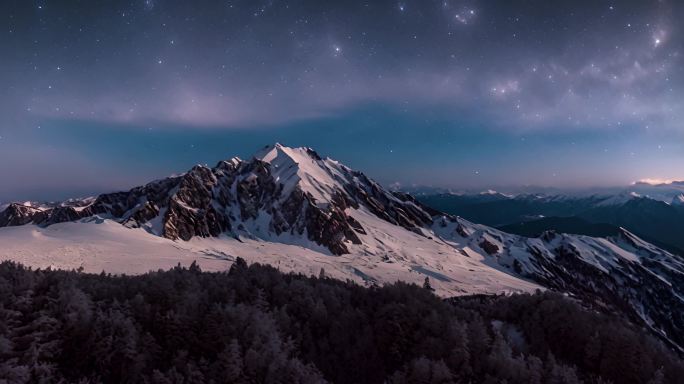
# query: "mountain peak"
[[303, 167], [265, 151], [269, 152]]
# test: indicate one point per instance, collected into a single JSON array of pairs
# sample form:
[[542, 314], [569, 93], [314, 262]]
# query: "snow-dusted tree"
[[427, 285]]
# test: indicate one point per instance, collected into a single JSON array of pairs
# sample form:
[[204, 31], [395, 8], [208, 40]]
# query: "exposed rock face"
[[489, 247], [191, 211], [20, 214], [281, 191], [396, 208]]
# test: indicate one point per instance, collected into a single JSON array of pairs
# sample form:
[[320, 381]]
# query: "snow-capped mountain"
[[291, 208], [280, 192], [658, 221]]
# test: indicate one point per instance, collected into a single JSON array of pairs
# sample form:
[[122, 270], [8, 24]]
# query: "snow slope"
[[105, 245]]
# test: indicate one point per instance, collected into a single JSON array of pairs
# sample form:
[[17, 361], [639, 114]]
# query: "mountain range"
[[657, 217], [298, 211]]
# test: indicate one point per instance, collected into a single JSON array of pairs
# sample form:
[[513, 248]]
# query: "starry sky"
[[104, 95]]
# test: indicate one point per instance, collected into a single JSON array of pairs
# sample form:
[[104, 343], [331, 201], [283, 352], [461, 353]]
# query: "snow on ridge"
[[492, 192], [489, 192], [678, 200], [619, 199], [300, 167]]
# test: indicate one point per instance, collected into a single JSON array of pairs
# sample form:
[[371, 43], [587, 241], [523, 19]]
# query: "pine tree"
[[658, 377], [427, 285], [239, 265]]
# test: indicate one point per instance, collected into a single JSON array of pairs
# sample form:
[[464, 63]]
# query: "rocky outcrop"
[[398, 209], [489, 247], [20, 214]]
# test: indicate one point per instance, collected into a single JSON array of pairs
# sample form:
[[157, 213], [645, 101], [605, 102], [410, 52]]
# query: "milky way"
[[462, 93]]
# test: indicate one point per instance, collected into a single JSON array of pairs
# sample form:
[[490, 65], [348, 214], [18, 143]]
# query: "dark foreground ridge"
[[256, 325]]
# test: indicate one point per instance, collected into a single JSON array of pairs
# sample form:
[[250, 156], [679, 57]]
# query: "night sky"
[[103, 95]]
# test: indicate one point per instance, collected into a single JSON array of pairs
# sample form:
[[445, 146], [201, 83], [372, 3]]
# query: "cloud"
[[273, 71], [634, 89], [657, 182]]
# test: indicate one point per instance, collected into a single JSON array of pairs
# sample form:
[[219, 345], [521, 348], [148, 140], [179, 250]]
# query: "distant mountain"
[[570, 225], [658, 221], [500, 209], [298, 211], [663, 191]]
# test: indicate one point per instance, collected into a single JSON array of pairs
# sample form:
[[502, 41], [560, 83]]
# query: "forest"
[[254, 324]]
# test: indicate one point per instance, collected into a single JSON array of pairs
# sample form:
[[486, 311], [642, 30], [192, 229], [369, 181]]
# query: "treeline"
[[256, 325]]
